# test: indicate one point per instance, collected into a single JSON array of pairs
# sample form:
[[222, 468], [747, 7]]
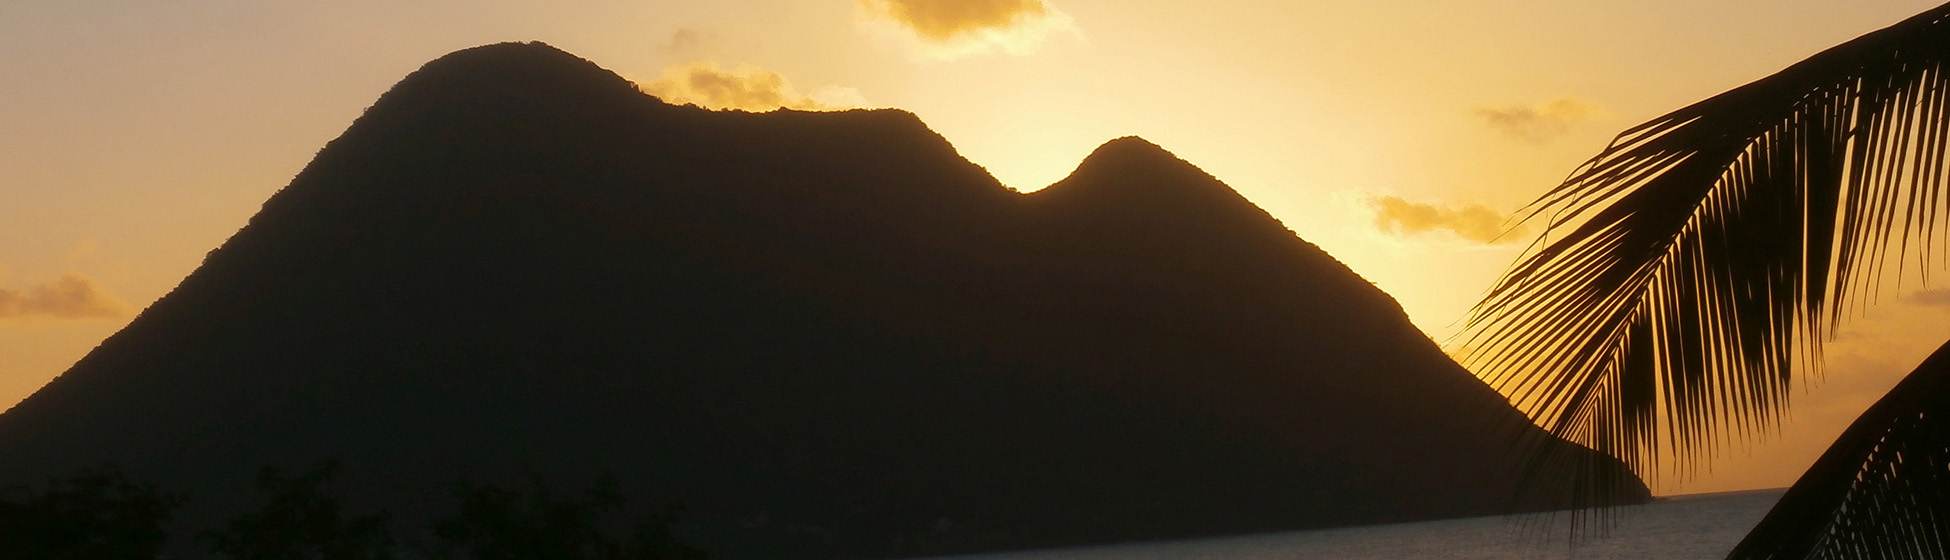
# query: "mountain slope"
[[823, 334]]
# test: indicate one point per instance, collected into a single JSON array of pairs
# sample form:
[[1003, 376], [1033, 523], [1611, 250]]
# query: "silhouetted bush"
[[94, 515], [498, 524], [300, 522]]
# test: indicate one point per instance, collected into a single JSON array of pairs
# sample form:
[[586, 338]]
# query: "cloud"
[[73, 296], [86, 248], [746, 87], [1473, 222], [949, 29], [1939, 297], [685, 41], [1540, 124]]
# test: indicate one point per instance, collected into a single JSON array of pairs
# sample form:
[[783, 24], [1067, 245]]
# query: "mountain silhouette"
[[820, 334]]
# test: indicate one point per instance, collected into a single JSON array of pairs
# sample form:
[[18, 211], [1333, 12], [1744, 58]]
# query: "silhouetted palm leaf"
[[1881, 491], [1706, 253]]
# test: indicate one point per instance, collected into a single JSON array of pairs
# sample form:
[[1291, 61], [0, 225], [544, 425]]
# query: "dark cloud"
[[1538, 124], [1473, 222], [73, 296], [746, 87]]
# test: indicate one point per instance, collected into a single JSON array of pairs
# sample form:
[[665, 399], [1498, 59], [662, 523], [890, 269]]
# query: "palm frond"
[[1705, 255], [1881, 491]]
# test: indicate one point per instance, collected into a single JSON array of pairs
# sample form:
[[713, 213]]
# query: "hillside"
[[822, 334]]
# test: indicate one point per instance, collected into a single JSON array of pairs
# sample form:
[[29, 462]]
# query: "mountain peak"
[[520, 99], [1132, 145], [1131, 165], [1135, 178], [505, 58], [503, 75], [507, 50], [1132, 154], [515, 264]]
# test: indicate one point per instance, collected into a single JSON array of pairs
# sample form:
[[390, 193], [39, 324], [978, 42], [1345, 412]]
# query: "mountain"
[[821, 334]]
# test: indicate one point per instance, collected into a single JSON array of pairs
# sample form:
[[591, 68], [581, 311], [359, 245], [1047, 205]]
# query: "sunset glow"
[[1398, 136]]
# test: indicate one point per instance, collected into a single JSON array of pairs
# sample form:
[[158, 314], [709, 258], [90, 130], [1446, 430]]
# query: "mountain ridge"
[[823, 319]]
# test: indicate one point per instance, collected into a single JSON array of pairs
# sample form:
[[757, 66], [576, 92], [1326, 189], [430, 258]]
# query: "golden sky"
[[1396, 134]]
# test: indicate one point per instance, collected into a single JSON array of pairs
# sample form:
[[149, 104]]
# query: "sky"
[[1398, 135]]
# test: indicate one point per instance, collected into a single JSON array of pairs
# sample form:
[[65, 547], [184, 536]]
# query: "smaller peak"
[[1128, 149], [1138, 163], [1136, 178], [1121, 158], [1130, 144]]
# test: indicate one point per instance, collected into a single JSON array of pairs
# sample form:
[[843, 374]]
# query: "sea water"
[[1703, 526]]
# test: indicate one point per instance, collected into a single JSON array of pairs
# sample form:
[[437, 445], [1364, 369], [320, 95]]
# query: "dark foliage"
[[496, 524], [99, 515], [103, 515], [300, 520]]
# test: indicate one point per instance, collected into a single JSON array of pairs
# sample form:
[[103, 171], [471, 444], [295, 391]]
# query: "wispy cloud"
[[1939, 297], [73, 296], [1538, 124], [949, 29], [1473, 222], [686, 42], [747, 87]]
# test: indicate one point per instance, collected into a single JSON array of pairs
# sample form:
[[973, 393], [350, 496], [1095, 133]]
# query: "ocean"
[[1702, 526]]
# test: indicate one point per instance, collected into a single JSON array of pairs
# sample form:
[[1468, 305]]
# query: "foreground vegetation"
[[106, 515]]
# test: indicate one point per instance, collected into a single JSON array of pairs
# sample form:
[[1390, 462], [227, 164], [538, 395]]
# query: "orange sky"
[[1396, 134]]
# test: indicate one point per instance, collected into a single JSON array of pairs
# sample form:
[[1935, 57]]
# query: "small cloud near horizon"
[[747, 87], [950, 29], [1474, 222], [1540, 124], [73, 296]]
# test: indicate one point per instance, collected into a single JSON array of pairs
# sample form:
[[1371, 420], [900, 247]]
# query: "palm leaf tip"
[[1881, 491]]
